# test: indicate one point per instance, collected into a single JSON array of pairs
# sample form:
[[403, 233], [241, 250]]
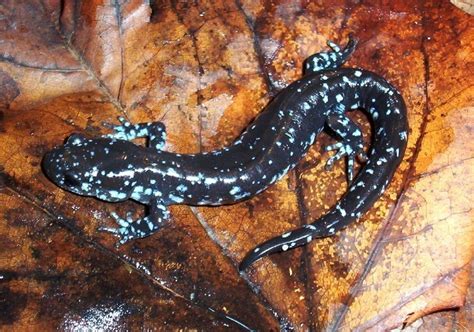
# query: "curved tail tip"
[[258, 252], [248, 260], [290, 240]]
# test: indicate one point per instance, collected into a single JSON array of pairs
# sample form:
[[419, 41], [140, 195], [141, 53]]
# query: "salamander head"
[[81, 166]]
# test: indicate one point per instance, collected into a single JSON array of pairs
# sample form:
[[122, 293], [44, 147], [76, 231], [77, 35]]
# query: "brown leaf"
[[206, 70]]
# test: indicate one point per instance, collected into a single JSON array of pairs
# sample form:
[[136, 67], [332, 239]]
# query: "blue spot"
[[234, 190]]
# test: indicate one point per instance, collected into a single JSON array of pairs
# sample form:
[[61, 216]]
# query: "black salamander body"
[[114, 169]]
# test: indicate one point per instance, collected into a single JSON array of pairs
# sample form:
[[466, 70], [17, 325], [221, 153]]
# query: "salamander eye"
[[71, 179]]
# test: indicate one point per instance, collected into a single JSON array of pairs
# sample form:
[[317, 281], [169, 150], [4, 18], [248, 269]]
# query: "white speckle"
[[181, 188], [176, 199], [229, 180], [77, 141], [234, 190], [128, 173], [341, 210], [339, 98], [116, 194], [358, 73], [286, 235], [86, 186], [381, 161], [209, 181], [284, 247], [244, 177], [193, 178], [172, 172]]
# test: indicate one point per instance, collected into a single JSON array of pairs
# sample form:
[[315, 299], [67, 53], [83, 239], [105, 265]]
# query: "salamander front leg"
[[155, 131], [351, 145], [329, 60], [129, 229]]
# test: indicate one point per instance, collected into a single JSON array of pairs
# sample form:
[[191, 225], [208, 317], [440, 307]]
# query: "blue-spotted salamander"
[[114, 169]]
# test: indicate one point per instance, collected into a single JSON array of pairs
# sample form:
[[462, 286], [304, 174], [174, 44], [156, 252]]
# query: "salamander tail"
[[387, 110], [290, 240]]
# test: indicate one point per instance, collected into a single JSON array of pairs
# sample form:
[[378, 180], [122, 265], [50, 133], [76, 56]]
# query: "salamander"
[[114, 169]]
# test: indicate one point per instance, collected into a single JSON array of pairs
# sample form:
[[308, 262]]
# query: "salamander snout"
[[89, 167], [65, 169], [52, 165]]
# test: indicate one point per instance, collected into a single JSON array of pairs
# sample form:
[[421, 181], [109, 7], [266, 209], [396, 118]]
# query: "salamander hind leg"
[[130, 229], [329, 60], [155, 131], [351, 145]]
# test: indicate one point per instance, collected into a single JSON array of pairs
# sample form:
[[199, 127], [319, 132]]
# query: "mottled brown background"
[[206, 69]]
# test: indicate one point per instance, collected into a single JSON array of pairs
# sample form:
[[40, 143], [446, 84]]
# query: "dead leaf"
[[206, 70]]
